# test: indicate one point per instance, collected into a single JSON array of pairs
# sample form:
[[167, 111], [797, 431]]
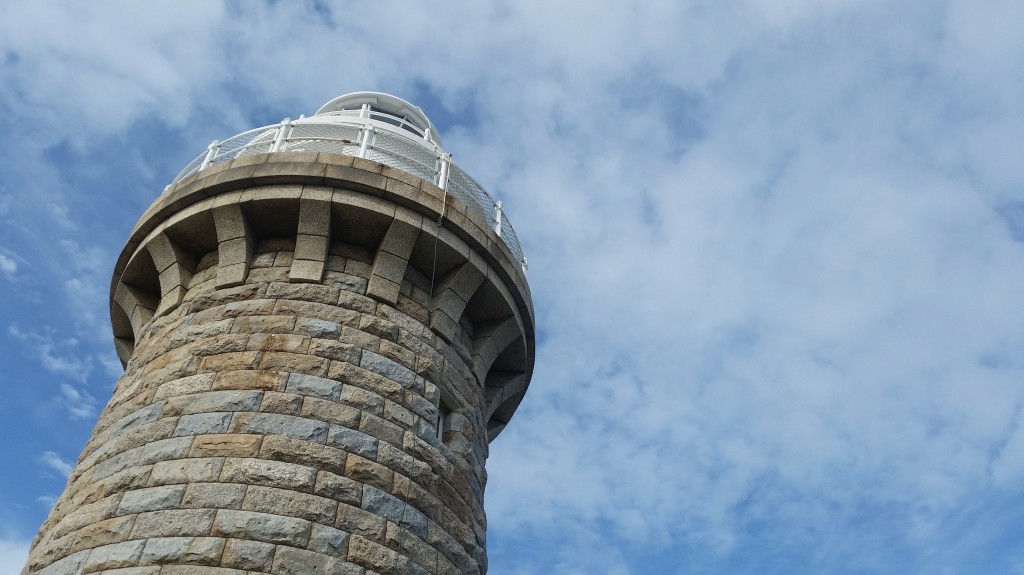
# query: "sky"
[[776, 249]]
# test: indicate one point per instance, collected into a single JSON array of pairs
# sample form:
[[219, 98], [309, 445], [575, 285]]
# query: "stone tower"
[[323, 324]]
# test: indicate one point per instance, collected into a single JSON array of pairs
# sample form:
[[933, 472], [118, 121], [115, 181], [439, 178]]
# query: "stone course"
[[282, 398]]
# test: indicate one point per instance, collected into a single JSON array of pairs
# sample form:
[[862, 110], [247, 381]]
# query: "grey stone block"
[[272, 473], [213, 495], [173, 523], [262, 527], [115, 556], [390, 507], [165, 449], [312, 385], [389, 369], [353, 441], [70, 565], [250, 555], [151, 499], [203, 423], [277, 424], [214, 401], [319, 328], [193, 470], [147, 414], [328, 540], [190, 550]]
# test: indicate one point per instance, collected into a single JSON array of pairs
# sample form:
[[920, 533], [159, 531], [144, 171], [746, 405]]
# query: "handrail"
[[417, 156]]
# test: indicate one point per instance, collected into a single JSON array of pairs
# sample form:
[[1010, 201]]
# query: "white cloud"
[[53, 462], [7, 265], [772, 244], [13, 554]]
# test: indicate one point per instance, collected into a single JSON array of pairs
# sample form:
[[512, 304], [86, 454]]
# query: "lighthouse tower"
[[323, 323]]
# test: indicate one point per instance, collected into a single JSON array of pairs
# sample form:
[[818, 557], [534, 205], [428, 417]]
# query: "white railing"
[[418, 156]]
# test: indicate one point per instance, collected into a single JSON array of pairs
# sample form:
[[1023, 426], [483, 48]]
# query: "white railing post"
[[442, 176], [364, 112], [283, 131], [367, 136], [426, 134], [211, 153], [525, 267], [497, 218]]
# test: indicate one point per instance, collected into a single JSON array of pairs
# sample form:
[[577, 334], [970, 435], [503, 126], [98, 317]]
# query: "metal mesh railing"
[[418, 157]]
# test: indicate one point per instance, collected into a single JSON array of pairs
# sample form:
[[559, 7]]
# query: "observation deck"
[[374, 126]]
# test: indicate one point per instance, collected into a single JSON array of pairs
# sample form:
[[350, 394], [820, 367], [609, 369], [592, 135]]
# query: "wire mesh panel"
[[333, 138], [409, 154], [405, 154]]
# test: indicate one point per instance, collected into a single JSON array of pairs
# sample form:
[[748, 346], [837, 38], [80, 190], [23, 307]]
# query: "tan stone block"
[[290, 503], [392, 350], [338, 488], [382, 289], [226, 445], [250, 379], [278, 342], [105, 532], [287, 449], [358, 521], [294, 362], [312, 309], [306, 271], [351, 375], [284, 403], [368, 472], [266, 472], [371, 555], [330, 412], [230, 361], [264, 324]]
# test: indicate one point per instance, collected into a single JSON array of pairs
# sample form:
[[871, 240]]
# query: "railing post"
[[525, 267], [367, 136], [497, 218], [442, 176], [283, 132], [364, 112], [211, 153]]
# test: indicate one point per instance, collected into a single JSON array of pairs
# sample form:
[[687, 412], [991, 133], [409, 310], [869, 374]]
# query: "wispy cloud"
[[53, 462], [13, 554], [56, 356]]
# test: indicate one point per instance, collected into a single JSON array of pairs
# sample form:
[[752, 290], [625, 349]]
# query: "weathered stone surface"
[[282, 448], [262, 527], [187, 550], [151, 499], [338, 488], [362, 551], [203, 423], [186, 470], [277, 424], [353, 441], [245, 554], [226, 445], [330, 412], [213, 401], [312, 385], [291, 561], [173, 522], [114, 556], [290, 503], [273, 473], [213, 496]]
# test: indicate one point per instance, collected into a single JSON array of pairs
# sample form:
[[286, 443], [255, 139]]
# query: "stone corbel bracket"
[[479, 289]]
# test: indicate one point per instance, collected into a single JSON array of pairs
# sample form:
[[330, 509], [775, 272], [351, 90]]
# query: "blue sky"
[[776, 249]]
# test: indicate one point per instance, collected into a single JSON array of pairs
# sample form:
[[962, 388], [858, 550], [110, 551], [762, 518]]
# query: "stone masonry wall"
[[286, 428]]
